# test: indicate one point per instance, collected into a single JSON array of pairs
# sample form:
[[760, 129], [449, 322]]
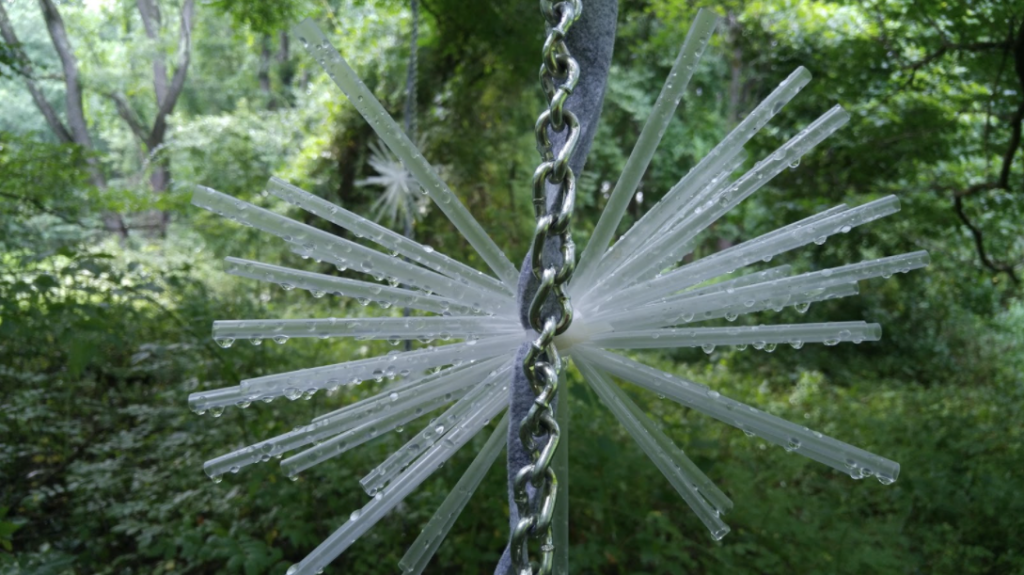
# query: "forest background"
[[110, 110]]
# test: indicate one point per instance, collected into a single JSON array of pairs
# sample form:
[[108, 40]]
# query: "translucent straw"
[[339, 251], [363, 519], [437, 430], [396, 242], [652, 254], [729, 286], [728, 253], [729, 147], [640, 428], [840, 219], [393, 135], [393, 329], [395, 363], [697, 184], [693, 47], [413, 385], [801, 301], [363, 292], [688, 470], [777, 292], [758, 249], [215, 400], [419, 396], [613, 279], [423, 549], [794, 438], [760, 336], [352, 438]]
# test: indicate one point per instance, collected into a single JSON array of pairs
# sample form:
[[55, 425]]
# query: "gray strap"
[[590, 41]]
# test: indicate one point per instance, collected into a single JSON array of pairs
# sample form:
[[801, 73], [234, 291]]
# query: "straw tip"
[[719, 533], [307, 31], [705, 13], [200, 191]]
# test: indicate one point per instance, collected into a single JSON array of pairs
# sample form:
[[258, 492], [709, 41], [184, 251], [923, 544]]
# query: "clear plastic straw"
[[693, 47], [613, 278], [417, 395], [688, 470], [477, 370], [756, 250], [364, 292], [352, 438], [760, 336], [393, 135], [393, 329], [215, 400], [664, 214], [363, 519], [729, 286], [423, 549], [341, 252], [395, 363], [799, 300], [729, 147], [386, 238], [777, 292], [728, 254], [709, 212], [794, 438], [639, 427], [437, 430]]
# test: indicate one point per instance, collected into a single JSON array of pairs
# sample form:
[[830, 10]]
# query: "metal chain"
[[559, 74]]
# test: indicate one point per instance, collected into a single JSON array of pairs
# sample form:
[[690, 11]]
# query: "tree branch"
[[127, 113], [1002, 182], [49, 114], [156, 137], [72, 81], [37, 204], [979, 243], [151, 21]]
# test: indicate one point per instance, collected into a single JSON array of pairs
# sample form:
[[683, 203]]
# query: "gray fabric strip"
[[590, 41]]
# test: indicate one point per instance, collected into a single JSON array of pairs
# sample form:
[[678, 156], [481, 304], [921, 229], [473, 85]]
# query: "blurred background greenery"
[[109, 280]]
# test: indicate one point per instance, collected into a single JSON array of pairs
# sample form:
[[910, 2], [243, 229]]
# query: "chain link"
[[559, 74]]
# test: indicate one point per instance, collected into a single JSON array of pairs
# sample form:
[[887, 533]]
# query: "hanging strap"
[[564, 133]]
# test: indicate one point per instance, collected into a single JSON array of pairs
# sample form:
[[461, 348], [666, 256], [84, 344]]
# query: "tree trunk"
[[264, 72]]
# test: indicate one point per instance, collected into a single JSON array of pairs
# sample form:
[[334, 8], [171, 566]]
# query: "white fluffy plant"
[[633, 295], [402, 201]]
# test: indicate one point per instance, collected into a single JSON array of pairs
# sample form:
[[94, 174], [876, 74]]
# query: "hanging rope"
[[410, 77], [559, 74], [410, 118]]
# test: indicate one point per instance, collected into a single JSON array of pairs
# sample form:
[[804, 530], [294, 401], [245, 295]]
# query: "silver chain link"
[[559, 74]]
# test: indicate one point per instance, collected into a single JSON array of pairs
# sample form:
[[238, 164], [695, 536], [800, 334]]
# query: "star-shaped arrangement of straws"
[[634, 295]]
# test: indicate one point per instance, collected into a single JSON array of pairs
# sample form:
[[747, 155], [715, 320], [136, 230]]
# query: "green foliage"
[[102, 338], [261, 16]]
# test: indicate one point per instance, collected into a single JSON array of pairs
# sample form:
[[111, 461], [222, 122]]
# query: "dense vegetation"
[[109, 280]]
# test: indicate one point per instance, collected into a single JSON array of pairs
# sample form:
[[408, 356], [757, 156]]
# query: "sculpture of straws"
[[628, 296]]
